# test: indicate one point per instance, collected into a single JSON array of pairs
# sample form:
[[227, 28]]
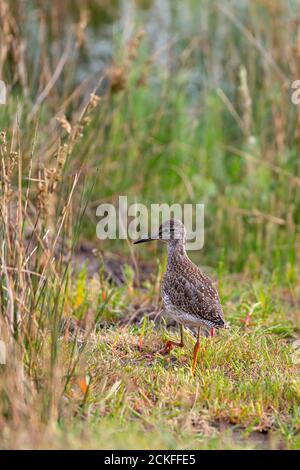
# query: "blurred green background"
[[196, 107]]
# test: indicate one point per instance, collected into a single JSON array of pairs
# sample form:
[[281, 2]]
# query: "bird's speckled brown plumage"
[[188, 294]]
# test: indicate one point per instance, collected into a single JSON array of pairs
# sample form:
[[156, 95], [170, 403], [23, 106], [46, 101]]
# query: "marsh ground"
[[162, 101]]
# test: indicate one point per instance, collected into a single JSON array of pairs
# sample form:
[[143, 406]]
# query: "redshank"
[[188, 294]]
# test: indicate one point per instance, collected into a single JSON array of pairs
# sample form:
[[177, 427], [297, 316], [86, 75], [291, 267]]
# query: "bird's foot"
[[212, 332], [170, 345]]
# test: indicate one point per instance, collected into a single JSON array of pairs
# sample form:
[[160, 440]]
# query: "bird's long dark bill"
[[143, 240]]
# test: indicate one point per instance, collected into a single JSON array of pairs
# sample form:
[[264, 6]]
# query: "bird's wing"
[[194, 293]]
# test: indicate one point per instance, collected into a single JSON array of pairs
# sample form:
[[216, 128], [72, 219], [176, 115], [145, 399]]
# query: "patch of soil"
[[87, 253]]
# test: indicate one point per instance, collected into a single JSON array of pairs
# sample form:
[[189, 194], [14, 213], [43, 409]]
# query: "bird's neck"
[[176, 249]]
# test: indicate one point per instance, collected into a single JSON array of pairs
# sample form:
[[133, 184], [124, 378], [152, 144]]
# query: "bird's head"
[[171, 231]]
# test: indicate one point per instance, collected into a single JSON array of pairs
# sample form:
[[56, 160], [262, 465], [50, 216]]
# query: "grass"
[[177, 123], [245, 393]]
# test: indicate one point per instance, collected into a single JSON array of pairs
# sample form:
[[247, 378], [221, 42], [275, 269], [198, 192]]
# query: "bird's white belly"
[[180, 316]]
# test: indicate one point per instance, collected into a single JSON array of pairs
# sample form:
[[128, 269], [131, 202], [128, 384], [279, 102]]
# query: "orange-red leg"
[[196, 352], [212, 332], [170, 344], [140, 343]]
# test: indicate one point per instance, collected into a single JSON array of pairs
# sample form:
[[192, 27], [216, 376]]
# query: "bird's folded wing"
[[195, 295]]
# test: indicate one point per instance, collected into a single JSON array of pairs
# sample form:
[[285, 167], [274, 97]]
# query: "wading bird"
[[188, 294]]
